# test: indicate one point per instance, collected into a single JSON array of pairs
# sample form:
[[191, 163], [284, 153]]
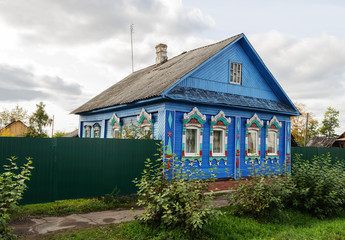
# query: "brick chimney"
[[161, 53]]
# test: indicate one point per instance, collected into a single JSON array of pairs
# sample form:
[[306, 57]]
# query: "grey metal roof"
[[153, 80], [212, 97], [321, 141]]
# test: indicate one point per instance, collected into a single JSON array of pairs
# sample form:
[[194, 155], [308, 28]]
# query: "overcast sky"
[[65, 52]]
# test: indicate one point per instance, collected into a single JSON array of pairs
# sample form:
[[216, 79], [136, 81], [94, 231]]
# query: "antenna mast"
[[132, 28]]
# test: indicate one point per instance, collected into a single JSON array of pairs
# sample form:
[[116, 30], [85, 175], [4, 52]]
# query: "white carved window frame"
[[254, 124], [193, 120], [145, 121], [219, 123], [197, 138], [115, 124], [273, 126], [87, 129], [96, 127]]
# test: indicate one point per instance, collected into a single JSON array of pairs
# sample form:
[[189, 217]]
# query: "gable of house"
[[210, 82], [14, 129]]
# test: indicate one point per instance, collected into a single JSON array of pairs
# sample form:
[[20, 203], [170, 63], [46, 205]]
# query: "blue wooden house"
[[218, 104]]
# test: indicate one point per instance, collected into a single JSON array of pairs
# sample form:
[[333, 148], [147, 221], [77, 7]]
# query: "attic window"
[[236, 73]]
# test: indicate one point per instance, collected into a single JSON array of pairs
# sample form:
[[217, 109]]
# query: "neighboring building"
[[335, 142], [218, 104], [73, 134], [14, 129]]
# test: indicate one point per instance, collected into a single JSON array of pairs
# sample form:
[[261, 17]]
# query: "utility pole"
[[306, 130], [132, 30]]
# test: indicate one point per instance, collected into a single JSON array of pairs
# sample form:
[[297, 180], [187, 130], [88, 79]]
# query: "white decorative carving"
[[255, 117], [219, 115], [147, 115], [117, 120], [274, 119], [195, 110]]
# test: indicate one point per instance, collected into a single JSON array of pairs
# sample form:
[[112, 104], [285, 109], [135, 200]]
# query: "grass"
[[66, 207], [287, 225]]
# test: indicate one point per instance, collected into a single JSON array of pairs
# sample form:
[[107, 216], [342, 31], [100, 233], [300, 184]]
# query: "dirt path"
[[37, 226]]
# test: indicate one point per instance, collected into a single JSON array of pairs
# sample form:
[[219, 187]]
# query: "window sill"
[[218, 155], [186, 156]]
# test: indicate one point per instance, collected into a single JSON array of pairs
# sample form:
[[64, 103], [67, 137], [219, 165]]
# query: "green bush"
[[12, 186], [262, 196], [320, 186], [264, 193], [174, 198]]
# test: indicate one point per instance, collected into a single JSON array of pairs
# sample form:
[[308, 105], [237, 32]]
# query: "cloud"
[[18, 84], [311, 70], [76, 22]]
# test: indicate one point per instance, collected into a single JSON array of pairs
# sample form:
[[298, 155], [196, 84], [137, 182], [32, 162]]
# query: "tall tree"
[[17, 113], [330, 122], [38, 120], [298, 125]]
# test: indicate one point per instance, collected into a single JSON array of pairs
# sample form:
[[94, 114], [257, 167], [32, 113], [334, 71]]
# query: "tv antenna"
[[132, 31]]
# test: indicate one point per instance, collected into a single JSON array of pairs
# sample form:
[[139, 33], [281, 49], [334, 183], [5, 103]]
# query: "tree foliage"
[[330, 122], [17, 113], [298, 124], [38, 120], [59, 134], [133, 131]]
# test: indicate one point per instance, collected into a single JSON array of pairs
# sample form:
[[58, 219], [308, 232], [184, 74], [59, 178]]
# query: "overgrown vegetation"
[[264, 194], [12, 186], [320, 185], [316, 187], [174, 198]]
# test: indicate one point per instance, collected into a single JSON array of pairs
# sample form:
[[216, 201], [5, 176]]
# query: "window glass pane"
[[218, 141], [271, 142], [235, 73], [252, 143], [96, 131], [191, 141], [116, 133]]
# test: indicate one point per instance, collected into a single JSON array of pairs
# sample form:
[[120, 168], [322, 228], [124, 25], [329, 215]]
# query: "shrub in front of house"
[[262, 196], [12, 186], [320, 185], [175, 197]]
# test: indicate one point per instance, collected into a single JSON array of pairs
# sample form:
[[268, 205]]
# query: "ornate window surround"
[[219, 122], [273, 126], [115, 124], [194, 119], [145, 120], [254, 124], [94, 127], [89, 129]]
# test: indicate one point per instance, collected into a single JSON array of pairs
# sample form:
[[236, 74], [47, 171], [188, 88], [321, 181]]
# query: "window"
[[236, 73], [192, 143], [252, 143], [115, 125], [272, 138], [218, 143], [87, 131], [96, 130], [117, 133], [192, 134], [272, 143]]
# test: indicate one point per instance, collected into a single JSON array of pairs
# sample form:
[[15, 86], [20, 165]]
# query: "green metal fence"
[[308, 153], [69, 168]]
